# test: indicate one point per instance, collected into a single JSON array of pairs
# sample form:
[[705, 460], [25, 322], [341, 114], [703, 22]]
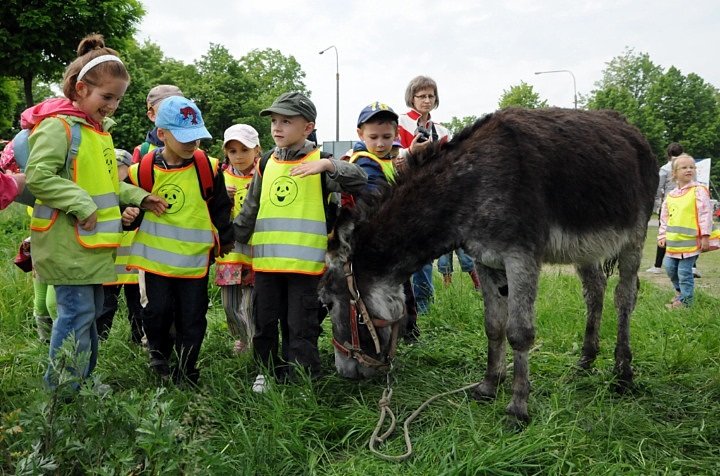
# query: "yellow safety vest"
[[683, 231], [241, 253], [95, 171], [290, 232], [388, 168], [178, 242], [125, 275]]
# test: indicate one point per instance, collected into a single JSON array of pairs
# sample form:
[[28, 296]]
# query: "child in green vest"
[[284, 213], [233, 272]]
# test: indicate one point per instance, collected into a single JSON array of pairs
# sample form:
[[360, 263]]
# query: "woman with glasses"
[[416, 128]]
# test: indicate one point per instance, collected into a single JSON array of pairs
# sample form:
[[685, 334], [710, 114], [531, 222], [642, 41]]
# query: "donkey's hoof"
[[518, 417], [624, 387], [485, 392]]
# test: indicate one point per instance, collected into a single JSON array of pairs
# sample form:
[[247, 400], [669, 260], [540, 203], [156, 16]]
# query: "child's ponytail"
[[90, 48]]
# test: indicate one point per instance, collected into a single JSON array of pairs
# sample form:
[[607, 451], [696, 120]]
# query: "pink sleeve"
[[704, 208], [8, 190], [663, 220]]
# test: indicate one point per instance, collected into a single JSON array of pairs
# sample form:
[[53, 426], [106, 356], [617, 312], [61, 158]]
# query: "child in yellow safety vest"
[[686, 229], [76, 223], [233, 272], [176, 249], [284, 212]]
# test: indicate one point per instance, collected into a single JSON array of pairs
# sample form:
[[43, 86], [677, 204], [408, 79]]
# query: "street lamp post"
[[564, 71], [337, 92]]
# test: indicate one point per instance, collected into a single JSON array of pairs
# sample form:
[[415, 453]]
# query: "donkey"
[[516, 189]]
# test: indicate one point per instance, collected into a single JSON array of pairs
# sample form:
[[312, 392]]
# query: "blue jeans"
[[445, 262], [77, 309], [423, 288], [680, 273]]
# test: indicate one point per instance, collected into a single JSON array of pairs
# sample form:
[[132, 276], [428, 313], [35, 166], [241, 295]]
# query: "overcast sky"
[[474, 49]]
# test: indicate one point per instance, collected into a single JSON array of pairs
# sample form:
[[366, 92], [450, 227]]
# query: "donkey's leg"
[[594, 283], [494, 289], [625, 298], [522, 274]]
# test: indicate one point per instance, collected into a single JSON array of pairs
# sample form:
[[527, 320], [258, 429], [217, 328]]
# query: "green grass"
[[669, 425]]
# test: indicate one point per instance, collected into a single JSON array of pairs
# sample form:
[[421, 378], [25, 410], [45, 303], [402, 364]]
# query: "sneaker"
[[161, 368], [696, 273], [654, 270], [260, 385]]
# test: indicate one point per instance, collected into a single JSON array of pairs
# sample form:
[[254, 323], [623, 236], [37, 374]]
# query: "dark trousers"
[[110, 305], [179, 301], [291, 301]]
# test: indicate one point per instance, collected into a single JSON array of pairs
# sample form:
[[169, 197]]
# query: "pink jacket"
[[704, 214], [8, 190]]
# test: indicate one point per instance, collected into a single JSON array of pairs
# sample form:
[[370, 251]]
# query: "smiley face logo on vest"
[[110, 161], [174, 197], [283, 191]]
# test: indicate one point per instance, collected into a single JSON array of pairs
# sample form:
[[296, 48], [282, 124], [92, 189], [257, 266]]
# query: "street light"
[[564, 71], [337, 92]]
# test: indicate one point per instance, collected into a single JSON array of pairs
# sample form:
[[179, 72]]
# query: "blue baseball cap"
[[375, 109], [182, 118]]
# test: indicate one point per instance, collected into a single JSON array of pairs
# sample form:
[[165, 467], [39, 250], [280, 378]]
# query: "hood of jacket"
[[53, 107]]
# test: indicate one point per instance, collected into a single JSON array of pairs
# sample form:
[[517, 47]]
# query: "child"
[[233, 272], [377, 128], [127, 279], [154, 98], [686, 229], [284, 212], [75, 226], [175, 249]]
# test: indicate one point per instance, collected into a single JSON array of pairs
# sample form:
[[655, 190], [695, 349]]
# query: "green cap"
[[292, 104]]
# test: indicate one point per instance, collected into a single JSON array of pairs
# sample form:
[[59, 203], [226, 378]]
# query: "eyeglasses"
[[428, 97]]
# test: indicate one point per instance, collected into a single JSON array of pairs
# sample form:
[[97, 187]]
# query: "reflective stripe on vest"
[[178, 242], [125, 275], [683, 232], [290, 232], [95, 171], [387, 166], [241, 252]]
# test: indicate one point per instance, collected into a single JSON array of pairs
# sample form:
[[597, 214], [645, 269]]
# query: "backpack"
[[331, 204], [203, 168], [21, 152]]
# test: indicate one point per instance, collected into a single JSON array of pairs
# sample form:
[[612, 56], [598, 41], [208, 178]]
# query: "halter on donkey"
[[516, 189]]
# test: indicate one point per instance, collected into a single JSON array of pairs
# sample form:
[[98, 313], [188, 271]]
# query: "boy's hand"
[[129, 215], [154, 204], [313, 168], [225, 249], [661, 243], [705, 243], [89, 223], [231, 189]]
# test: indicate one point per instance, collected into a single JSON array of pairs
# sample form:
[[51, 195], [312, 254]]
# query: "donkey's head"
[[365, 309]]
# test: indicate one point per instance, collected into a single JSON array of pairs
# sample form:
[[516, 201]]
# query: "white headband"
[[96, 61]]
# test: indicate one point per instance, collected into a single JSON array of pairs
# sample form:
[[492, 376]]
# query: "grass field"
[[669, 425]]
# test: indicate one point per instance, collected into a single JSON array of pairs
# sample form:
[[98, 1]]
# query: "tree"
[[9, 92], [148, 67], [521, 95], [38, 38], [457, 124]]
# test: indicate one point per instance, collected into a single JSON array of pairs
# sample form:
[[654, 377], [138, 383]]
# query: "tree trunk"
[[27, 84]]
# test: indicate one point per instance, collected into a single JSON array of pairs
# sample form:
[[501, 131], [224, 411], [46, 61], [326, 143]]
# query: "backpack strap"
[[146, 177], [205, 173], [75, 136]]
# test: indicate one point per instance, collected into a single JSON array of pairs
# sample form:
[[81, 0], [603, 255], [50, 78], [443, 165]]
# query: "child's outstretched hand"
[[154, 204], [705, 243], [89, 223], [231, 189], [313, 168], [129, 215]]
